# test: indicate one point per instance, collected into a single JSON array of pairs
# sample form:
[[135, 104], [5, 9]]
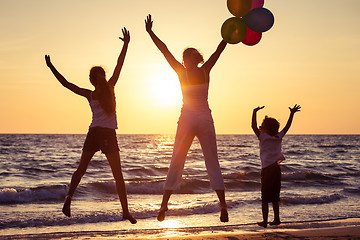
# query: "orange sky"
[[309, 57]]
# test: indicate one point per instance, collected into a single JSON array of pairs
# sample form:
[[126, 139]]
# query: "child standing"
[[101, 134], [270, 155]]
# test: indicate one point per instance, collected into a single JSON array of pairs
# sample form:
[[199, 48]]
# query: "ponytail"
[[105, 92]]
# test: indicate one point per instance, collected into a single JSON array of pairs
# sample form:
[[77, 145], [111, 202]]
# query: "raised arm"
[[72, 87], [126, 39], [254, 122], [177, 66], [214, 57], [293, 110]]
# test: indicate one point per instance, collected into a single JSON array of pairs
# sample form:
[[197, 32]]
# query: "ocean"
[[320, 181]]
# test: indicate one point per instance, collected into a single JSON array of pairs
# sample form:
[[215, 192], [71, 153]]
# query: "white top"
[[195, 97], [270, 149], [100, 118]]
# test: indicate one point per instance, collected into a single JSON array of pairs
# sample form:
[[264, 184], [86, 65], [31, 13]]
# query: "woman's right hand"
[[148, 23], [295, 109]]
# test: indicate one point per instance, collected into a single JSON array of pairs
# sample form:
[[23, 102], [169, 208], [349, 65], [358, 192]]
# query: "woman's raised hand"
[[258, 108], [295, 109], [148, 23], [48, 61], [126, 35]]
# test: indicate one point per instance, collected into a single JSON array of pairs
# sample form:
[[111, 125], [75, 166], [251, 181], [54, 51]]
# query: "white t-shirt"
[[270, 149]]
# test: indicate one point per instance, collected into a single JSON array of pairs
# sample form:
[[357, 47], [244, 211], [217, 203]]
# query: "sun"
[[165, 88]]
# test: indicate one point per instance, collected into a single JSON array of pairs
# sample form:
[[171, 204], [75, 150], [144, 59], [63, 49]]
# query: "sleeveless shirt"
[[99, 117], [195, 97]]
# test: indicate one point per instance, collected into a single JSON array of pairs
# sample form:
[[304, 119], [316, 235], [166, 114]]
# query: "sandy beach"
[[332, 229]]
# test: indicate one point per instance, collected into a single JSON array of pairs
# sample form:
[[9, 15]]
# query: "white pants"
[[201, 125]]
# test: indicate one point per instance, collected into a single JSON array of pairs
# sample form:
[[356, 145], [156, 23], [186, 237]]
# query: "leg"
[[265, 212], [276, 214], [164, 205], [207, 138], [224, 217], [276, 190], [183, 139], [75, 180], [114, 161]]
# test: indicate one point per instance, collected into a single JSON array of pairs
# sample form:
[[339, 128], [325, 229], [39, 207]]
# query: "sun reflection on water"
[[171, 227], [161, 144]]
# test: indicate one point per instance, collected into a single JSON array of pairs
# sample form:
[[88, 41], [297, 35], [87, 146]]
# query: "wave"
[[299, 153], [97, 189], [109, 215], [352, 190], [190, 186], [238, 146], [296, 200], [114, 215], [345, 146], [134, 186], [305, 175], [239, 181], [46, 221], [107, 188], [243, 175], [51, 193]]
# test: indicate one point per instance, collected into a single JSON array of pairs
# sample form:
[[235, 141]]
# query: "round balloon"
[[257, 4], [233, 30], [239, 8], [251, 38], [259, 19]]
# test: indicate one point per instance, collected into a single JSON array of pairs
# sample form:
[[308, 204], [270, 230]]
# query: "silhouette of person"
[[195, 120], [101, 134], [271, 156]]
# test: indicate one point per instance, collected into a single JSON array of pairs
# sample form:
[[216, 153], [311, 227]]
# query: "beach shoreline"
[[332, 229], [320, 189]]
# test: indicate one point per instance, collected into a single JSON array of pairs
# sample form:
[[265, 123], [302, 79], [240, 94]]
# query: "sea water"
[[320, 181]]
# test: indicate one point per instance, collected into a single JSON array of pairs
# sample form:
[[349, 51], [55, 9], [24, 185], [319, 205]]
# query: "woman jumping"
[[195, 120]]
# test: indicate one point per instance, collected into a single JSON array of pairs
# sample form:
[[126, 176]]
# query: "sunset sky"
[[309, 57]]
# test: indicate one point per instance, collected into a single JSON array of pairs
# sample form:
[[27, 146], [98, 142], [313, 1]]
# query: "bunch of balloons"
[[249, 22]]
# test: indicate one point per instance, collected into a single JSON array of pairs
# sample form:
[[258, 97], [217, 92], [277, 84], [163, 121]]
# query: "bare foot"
[[262, 224], [224, 216], [275, 222], [66, 207], [161, 215], [129, 217]]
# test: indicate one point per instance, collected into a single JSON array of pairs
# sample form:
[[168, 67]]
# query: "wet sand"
[[332, 229]]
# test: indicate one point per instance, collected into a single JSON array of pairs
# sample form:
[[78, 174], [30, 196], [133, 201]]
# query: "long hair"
[[105, 93]]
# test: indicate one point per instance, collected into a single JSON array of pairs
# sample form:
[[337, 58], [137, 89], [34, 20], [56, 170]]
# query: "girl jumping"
[[101, 134]]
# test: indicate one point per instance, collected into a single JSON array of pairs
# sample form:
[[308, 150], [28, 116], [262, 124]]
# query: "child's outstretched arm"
[[177, 66], [215, 56], [293, 110], [254, 122], [72, 87], [126, 39]]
